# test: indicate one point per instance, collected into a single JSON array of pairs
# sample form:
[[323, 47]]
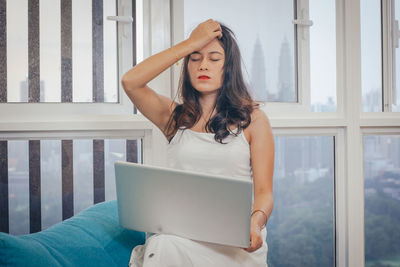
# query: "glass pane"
[[110, 53], [323, 55], [51, 177], [50, 168], [88, 38], [114, 150], [267, 47], [301, 230], [82, 86], [18, 187], [17, 51], [50, 51], [83, 174], [371, 67], [396, 90], [382, 200]]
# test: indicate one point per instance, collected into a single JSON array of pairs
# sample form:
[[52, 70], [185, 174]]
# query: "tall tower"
[[285, 74], [258, 84]]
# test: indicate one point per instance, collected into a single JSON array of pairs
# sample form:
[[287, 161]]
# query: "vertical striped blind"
[[32, 164], [82, 31], [46, 181]]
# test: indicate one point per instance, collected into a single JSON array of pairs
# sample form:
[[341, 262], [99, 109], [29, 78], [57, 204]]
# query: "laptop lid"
[[210, 208]]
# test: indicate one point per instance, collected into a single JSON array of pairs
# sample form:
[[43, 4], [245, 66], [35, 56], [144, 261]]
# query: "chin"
[[203, 88], [208, 90]]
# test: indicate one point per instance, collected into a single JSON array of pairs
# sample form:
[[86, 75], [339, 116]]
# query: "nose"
[[203, 64]]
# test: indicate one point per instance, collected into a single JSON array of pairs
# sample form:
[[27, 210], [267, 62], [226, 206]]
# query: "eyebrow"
[[212, 52]]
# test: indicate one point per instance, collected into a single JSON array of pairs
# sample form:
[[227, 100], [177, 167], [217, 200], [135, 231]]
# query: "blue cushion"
[[90, 238]]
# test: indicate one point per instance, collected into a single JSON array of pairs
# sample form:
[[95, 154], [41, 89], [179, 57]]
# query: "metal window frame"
[[83, 120], [390, 38], [125, 61], [347, 124]]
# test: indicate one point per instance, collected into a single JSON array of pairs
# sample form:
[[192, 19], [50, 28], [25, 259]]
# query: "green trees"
[[301, 228], [300, 231]]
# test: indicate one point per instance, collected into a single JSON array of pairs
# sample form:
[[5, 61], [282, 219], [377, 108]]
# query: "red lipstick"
[[203, 77]]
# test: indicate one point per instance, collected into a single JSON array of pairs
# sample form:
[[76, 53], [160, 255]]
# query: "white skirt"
[[170, 250]]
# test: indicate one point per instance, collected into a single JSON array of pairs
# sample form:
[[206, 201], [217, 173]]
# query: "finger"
[[218, 31], [247, 249], [250, 248], [255, 244], [217, 35], [215, 25]]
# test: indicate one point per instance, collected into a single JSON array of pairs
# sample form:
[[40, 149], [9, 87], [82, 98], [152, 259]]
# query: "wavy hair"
[[233, 103]]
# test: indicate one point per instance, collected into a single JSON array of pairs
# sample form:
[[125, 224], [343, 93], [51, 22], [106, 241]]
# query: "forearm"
[[262, 201], [147, 70]]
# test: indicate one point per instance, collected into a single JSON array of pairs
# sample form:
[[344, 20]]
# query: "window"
[[51, 180], [336, 75], [382, 199], [301, 229], [275, 47], [346, 34], [47, 50], [63, 118], [371, 56], [380, 54], [394, 92], [323, 55], [269, 55]]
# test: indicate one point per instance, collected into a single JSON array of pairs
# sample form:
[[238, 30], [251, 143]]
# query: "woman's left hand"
[[256, 240]]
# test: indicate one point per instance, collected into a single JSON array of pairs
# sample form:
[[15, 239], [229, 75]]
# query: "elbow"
[[272, 203], [127, 83], [131, 81]]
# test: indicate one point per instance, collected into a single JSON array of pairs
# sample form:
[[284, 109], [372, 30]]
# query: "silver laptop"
[[197, 206]]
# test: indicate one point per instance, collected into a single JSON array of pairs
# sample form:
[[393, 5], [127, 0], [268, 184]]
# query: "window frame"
[[302, 52], [160, 22], [125, 61], [84, 120], [347, 124], [389, 33]]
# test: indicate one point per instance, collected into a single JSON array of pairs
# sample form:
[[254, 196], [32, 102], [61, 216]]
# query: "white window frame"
[[162, 27], [390, 39], [124, 107], [85, 120], [348, 124]]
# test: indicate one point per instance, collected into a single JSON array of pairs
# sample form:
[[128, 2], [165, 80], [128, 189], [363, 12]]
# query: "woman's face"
[[206, 68]]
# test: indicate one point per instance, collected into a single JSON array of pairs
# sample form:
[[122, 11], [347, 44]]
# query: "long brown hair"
[[233, 103]]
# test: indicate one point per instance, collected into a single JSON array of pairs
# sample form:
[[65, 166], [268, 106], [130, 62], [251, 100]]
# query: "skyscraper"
[[286, 90], [258, 85]]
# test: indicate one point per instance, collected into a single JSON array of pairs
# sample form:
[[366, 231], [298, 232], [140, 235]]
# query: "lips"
[[203, 77]]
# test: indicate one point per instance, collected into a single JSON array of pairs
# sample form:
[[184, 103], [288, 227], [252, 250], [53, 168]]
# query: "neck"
[[207, 103]]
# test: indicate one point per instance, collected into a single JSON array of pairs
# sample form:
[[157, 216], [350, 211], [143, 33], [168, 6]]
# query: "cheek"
[[221, 73], [191, 72]]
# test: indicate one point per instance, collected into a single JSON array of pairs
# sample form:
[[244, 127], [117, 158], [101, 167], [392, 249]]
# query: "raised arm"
[[158, 108]]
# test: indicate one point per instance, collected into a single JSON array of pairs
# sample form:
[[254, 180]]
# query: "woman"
[[218, 115]]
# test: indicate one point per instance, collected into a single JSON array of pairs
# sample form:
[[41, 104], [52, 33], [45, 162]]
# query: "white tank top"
[[195, 151]]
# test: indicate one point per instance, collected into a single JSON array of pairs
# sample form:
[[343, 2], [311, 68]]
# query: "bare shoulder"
[[260, 125], [259, 119]]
